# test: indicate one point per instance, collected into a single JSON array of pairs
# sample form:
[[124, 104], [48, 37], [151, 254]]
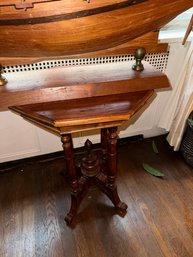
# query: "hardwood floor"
[[34, 199]]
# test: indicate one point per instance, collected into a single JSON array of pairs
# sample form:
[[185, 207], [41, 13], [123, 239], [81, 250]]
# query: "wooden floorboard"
[[34, 199]]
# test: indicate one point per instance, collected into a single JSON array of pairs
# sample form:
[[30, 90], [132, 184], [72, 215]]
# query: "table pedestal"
[[96, 169], [66, 117]]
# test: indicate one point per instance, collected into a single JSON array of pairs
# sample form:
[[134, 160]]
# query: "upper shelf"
[[45, 28], [76, 82]]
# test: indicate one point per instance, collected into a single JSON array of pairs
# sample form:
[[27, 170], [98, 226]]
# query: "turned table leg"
[[104, 146], [111, 188], [72, 175]]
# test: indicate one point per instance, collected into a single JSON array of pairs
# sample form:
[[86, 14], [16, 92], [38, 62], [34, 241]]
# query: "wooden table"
[[103, 102]]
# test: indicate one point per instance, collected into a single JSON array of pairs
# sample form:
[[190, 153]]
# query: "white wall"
[[20, 139]]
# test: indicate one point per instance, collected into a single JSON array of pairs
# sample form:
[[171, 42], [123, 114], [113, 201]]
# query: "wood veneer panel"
[[149, 41], [89, 33]]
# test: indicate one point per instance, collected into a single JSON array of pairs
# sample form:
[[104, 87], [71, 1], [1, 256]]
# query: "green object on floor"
[[152, 171], [190, 121], [154, 147]]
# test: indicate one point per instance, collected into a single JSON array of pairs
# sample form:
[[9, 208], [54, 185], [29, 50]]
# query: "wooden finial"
[[3, 80], [139, 55], [90, 165]]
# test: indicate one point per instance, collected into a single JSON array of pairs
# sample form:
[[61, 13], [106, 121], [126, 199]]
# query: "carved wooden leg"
[[104, 146], [91, 172], [71, 169], [111, 188]]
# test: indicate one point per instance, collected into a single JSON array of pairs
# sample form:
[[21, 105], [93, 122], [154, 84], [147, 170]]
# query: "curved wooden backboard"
[[49, 28]]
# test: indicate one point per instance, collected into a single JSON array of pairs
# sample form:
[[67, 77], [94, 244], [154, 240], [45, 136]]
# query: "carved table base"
[[94, 171], [105, 112]]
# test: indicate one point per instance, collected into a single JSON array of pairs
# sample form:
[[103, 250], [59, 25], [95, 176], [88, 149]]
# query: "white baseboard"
[[19, 155]]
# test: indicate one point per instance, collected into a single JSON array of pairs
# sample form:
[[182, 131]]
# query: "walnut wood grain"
[[149, 41], [90, 33], [82, 112], [78, 82]]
